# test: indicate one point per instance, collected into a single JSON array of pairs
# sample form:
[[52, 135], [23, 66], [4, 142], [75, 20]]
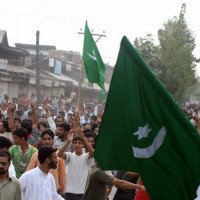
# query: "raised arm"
[[33, 114], [49, 119], [11, 122], [61, 152], [87, 144]]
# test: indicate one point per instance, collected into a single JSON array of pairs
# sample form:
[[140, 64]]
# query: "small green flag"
[[94, 66], [144, 130]]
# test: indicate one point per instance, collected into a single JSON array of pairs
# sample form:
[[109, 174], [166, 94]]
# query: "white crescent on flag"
[[150, 150]]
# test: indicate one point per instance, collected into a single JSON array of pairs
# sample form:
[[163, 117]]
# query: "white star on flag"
[[143, 131]]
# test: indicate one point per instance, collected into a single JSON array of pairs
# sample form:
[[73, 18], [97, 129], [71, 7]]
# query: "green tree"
[[150, 53], [172, 60], [176, 50]]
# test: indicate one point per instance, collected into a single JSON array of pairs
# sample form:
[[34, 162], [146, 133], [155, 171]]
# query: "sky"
[[59, 21]]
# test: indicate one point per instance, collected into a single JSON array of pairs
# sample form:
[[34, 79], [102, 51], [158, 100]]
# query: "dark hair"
[[93, 117], [59, 117], [18, 119], [27, 125], [65, 126], [5, 125], [5, 154], [77, 138], [5, 142], [43, 124], [44, 153], [62, 113], [89, 134], [49, 132], [21, 132]]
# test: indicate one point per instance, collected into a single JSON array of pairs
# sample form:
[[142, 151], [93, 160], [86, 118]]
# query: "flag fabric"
[[94, 66], [144, 130]]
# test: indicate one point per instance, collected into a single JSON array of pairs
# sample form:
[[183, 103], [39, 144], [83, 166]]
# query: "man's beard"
[[2, 171], [52, 165]]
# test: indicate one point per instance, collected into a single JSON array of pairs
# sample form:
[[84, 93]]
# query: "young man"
[[9, 186], [6, 131], [5, 144], [78, 164], [97, 184], [61, 132], [38, 183], [59, 173], [21, 152], [59, 120]]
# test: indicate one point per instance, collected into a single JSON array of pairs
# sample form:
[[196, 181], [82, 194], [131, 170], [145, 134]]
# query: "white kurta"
[[36, 185]]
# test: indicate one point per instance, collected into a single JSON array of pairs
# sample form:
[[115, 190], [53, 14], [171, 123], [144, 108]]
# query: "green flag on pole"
[[94, 66], [144, 130]]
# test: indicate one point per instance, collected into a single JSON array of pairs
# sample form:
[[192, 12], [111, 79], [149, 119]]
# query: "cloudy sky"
[[59, 21]]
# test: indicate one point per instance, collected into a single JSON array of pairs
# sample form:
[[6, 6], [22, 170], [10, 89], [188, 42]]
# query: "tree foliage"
[[172, 60]]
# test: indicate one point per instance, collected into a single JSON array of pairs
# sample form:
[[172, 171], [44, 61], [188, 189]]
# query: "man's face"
[[21, 109], [53, 113], [60, 132], [86, 117], [91, 141], [17, 124], [96, 130], [17, 140], [88, 127], [4, 165], [53, 161], [59, 121], [78, 146], [41, 128], [47, 141], [67, 107]]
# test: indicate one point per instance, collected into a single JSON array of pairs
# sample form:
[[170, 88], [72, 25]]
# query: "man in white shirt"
[[78, 164], [38, 183], [61, 132]]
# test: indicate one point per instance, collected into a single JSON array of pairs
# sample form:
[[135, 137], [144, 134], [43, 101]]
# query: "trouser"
[[119, 195], [70, 196]]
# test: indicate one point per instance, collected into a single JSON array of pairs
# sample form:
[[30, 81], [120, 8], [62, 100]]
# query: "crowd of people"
[[47, 148]]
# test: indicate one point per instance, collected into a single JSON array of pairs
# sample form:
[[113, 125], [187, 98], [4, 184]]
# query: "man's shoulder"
[[14, 148], [32, 148], [29, 173], [13, 180]]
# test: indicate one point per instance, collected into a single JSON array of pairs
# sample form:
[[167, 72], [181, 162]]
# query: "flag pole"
[[80, 87]]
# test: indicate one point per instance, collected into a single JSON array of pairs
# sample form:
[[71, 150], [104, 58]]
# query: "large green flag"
[[144, 130], [94, 66]]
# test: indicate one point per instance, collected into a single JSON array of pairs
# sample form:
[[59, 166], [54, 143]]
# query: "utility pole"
[[37, 67], [95, 34]]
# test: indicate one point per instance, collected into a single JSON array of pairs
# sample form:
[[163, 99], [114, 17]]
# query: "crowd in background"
[[29, 129]]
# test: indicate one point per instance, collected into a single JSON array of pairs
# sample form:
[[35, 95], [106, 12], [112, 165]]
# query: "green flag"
[[144, 130], [94, 66]]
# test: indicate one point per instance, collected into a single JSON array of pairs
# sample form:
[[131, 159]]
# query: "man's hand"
[[12, 108], [70, 135], [33, 105], [48, 114]]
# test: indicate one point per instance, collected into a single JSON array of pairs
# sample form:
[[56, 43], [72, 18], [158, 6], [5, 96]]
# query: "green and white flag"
[[144, 130], [94, 66]]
